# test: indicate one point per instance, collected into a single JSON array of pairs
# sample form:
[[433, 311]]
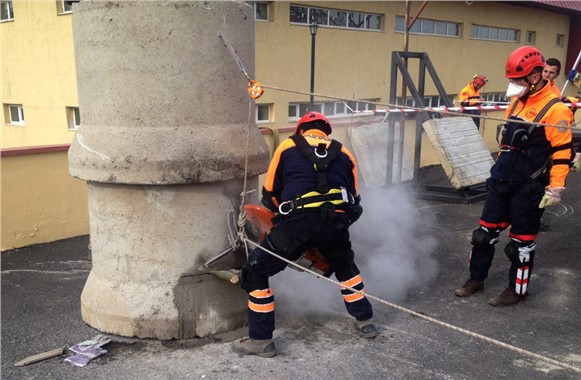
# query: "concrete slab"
[[461, 149], [41, 288]]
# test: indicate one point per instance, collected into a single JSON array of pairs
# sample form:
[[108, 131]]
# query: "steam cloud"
[[392, 250]]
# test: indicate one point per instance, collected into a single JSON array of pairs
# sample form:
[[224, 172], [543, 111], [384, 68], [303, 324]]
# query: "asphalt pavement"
[[412, 253]]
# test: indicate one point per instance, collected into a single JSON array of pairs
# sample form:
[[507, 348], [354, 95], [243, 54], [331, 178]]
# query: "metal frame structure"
[[399, 62]]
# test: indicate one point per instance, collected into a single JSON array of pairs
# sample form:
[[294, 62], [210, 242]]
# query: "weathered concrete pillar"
[[162, 146]]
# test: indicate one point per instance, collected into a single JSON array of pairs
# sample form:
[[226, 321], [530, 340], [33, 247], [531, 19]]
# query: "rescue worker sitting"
[[311, 183], [470, 96], [528, 175]]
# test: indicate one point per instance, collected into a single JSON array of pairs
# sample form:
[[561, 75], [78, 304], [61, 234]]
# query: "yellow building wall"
[[356, 64], [38, 71], [41, 202]]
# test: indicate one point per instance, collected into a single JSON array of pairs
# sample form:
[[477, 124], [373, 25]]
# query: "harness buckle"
[[321, 148], [347, 196], [281, 207]]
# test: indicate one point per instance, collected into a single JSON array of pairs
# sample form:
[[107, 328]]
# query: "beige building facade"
[[41, 202]]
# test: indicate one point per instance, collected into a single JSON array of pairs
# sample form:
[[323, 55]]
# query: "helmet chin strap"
[[533, 86]]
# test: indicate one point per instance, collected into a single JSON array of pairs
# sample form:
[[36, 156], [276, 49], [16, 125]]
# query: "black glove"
[[267, 200], [354, 212]]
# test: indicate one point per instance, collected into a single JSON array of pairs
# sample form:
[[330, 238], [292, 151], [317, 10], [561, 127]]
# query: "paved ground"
[[412, 253]]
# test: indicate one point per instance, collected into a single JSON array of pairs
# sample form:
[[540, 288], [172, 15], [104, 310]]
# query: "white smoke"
[[392, 250]]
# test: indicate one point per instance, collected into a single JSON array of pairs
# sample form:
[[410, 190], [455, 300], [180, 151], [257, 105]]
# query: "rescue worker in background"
[[312, 183], [470, 96], [528, 175], [551, 71]]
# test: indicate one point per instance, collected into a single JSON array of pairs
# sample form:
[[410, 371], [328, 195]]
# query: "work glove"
[[552, 196], [83, 358], [87, 350], [576, 167]]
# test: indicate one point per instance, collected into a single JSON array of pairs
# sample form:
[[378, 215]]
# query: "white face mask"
[[515, 90]]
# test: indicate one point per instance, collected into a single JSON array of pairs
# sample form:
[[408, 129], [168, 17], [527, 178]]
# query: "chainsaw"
[[258, 223]]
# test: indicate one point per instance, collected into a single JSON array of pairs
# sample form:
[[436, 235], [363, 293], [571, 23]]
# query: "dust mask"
[[515, 90]]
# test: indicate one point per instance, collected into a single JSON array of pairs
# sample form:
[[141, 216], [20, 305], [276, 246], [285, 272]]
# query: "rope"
[[423, 316], [242, 214], [399, 108]]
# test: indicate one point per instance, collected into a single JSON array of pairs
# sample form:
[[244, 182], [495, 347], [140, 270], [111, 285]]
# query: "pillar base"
[[197, 306]]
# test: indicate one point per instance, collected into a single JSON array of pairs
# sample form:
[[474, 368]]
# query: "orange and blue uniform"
[[310, 217], [531, 157]]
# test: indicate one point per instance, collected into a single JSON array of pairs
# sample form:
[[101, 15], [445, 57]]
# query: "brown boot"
[[246, 346], [506, 298], [470, 287]]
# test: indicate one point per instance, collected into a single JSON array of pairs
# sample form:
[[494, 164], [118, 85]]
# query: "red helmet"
[[313, 116], [522, 61], [480, 79]]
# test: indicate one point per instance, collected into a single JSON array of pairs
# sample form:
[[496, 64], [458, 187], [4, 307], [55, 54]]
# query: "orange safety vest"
[[559, 138]]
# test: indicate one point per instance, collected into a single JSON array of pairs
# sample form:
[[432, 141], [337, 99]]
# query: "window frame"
[[530, 37], [482, 33], [73, 121], [421, 25], [7, 8], [339, 108], [254, 4], [269, 119], [309, 14], [62, 5], [19, 111]]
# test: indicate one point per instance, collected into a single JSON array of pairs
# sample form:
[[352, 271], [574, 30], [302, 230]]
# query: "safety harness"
[[325, 200], [321, 157], [520, 137]]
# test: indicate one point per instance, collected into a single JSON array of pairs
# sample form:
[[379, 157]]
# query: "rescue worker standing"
[[312, 183], [528, 175], [470, 96]]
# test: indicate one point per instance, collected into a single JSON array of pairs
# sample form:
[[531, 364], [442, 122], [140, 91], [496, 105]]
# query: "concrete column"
[[162, 146]]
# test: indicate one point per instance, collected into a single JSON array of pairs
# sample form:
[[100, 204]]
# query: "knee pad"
[[482, 236], [519, 253]]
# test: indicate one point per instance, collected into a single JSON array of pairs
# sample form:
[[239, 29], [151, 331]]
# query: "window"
[[495, 97], [65, 6], [260, 10], [560, 40], [334, 18], [425, 26], [14, 114], [480, 32], [330, 109], [530, 37], [6, 11], [73, 118], [263, 113]]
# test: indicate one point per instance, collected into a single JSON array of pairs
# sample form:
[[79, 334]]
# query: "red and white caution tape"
[[441, 109]]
